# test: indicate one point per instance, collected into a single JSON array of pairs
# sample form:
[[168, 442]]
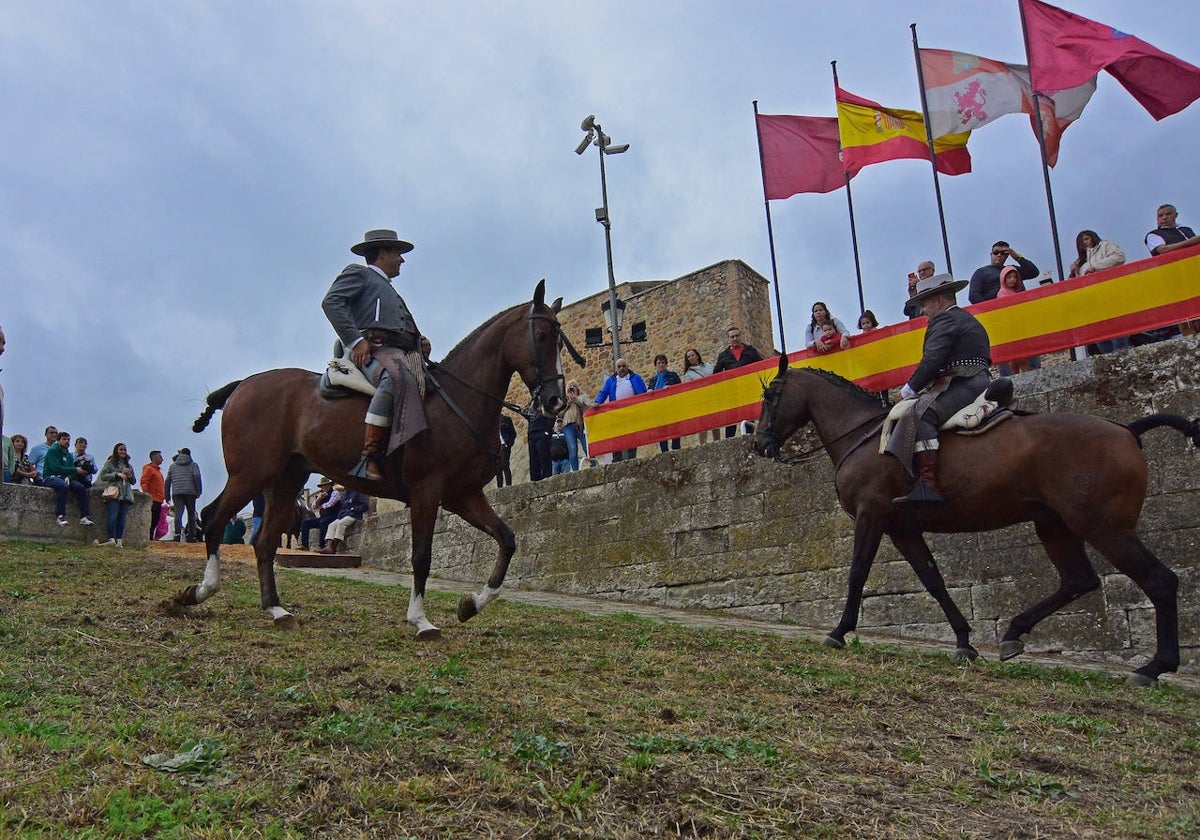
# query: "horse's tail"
[[216, 401], [1186, 427]]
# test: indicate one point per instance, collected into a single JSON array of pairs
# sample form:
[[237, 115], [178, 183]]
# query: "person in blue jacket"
[[623, 383]]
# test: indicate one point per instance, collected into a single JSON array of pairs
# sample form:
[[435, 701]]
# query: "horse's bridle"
[[539, 381], [771, 402]]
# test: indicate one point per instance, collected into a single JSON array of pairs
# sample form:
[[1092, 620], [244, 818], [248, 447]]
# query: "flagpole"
[[770, 233], [937, 186], [1041, 135], [862, 304]]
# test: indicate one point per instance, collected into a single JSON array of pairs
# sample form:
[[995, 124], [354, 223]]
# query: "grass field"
[[121, 716]]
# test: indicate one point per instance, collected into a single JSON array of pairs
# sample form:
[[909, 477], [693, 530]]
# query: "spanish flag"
[[871, 133]]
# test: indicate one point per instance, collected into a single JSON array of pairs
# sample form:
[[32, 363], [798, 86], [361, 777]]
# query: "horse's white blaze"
[[211, 584], [485, 597], [276, 613]]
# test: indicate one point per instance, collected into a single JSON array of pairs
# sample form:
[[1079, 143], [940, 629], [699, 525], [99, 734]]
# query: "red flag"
[[1066, 50], [871, 133], [799, 155]]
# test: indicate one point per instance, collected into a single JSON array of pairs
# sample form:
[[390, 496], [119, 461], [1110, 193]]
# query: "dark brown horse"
[[277, 429], [1079, 479]]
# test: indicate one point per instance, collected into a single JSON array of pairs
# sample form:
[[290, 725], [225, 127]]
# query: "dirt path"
[[697, 618]]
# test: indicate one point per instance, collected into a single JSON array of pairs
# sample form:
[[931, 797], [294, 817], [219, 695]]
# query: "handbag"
[[111, 492]]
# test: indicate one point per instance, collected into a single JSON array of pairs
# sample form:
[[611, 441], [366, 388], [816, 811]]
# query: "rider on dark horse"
[[954, 366], [375, 325]]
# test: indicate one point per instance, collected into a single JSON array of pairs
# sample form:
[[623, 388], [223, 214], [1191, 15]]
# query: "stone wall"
[[27, 513], [720, 528]]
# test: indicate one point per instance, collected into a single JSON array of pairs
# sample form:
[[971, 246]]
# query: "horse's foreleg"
[[478, 511], [867, 534], [1161, 585], [210, 584], [1076, 578], [421, 521], [916, 552]]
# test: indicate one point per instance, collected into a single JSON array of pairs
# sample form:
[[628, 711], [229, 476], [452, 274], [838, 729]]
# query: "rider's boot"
[[372, 455], [927, 491], [331, 547]]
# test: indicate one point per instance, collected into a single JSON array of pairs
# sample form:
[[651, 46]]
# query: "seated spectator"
[[867, 321], [559, 462], [1012, 284], [324, 511], [85, 461], [813, 334], [235, 532], [117, 474], [985, 282], [59, 471], [38, 454], [23, 471], [350, 510], [1095, 254], [695, 367], [663, 378]]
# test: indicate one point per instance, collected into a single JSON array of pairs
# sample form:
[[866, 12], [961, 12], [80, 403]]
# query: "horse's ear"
[[556, 306], [783, 363], [539, 294]]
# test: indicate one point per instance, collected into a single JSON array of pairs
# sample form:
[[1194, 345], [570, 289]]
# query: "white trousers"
[[337, 528]]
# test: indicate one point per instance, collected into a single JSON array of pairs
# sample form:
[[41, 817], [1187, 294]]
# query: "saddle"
[[342, 377], [989, 409]]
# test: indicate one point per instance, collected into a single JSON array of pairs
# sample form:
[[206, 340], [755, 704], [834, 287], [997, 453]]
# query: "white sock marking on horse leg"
[[485, 597], [416, 614], [276, 613], [211, 584]]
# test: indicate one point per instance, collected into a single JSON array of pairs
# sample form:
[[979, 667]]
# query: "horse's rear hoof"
[[186, 597], [1011, 648], [965, 654], [467, 609], [429, 634], [1141, 680], [833, 642]]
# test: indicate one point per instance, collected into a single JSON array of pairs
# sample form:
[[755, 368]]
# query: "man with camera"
[[985, 282]]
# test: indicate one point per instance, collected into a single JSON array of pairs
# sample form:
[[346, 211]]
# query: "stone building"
[[690, 311]]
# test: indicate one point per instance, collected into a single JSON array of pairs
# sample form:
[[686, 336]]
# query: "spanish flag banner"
[[871, 134], [1118, 301]]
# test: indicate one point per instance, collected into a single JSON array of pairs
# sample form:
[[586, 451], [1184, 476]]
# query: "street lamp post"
[[595, 135]]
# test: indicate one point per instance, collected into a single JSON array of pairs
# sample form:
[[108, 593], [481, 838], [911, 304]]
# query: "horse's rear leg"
[[1161, 585], [1076, 578], [916, 552], [277, 517], [421, 520], [478, 511]]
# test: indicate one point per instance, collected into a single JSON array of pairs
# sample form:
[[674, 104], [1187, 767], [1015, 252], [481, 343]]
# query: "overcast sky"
[[181, 181]]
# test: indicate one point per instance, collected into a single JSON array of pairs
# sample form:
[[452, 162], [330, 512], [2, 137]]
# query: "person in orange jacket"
[[152, 483]]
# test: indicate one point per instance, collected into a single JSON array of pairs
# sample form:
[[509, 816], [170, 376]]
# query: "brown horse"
[[277, 429], [1079, 479]]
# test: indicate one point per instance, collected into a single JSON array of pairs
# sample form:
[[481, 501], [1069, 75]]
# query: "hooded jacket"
[[183, 477]]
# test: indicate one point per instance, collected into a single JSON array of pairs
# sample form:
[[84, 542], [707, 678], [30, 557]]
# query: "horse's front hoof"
[[467, 609], [1141, 680], [186, 597], [429, 634], [287, 623], [1011, 648], [833, 642], [965, 654]]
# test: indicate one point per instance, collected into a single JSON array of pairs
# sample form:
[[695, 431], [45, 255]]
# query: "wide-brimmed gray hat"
[[936, 285], [382, 238]]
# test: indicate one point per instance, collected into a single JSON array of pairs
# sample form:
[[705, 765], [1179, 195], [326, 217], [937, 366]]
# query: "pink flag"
[[1065, 50], [799, 155]]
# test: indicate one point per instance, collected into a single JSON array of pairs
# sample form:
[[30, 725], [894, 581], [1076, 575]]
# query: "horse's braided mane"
[[832, 377]]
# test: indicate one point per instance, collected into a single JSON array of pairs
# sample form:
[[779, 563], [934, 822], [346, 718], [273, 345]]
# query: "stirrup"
[[921, 495]]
